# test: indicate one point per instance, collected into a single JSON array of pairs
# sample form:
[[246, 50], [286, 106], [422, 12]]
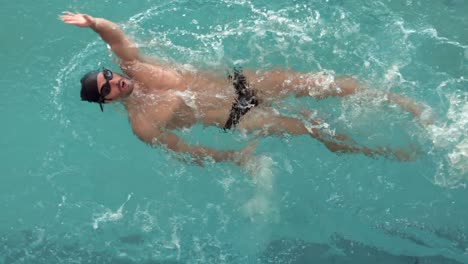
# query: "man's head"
[[105, 86]]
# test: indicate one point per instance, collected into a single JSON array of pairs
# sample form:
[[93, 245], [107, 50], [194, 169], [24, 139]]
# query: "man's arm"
[[156, 136], [109, 32], [199, 153]]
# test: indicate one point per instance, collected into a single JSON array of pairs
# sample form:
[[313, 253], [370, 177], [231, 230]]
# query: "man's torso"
[[174, 99]]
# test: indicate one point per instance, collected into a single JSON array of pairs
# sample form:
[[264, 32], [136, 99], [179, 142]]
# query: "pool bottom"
[[28, 247]]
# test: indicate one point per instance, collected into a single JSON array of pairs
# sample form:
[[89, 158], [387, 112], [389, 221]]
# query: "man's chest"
[[170, 112]]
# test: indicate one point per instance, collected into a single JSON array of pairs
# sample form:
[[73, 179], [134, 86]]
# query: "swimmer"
[[160, 99]]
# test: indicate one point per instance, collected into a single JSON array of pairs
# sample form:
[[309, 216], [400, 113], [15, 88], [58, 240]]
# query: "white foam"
[[260, 204], [145, 220], [174, 243], [459, 156], [109, 215], [432, 32], [405, 31], [451, 138], [393, 73], [64, 198], [260, 168], [227, 182]]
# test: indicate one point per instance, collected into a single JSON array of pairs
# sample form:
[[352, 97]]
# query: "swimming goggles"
[[106, 88]]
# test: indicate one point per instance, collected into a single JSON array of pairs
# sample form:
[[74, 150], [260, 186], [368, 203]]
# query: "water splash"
[[451, 137], [109, 215], [260, 204]]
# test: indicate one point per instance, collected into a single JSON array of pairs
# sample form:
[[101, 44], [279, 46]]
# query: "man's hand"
[[80, 20], [243, 156], [110, 32]]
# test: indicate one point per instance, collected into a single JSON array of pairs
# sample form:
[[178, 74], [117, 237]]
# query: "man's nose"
[[114, 81]]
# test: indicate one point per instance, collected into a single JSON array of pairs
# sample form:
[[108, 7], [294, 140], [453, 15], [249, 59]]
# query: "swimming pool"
[[78, 187]]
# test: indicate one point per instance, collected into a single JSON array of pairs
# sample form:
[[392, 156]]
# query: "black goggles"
[[106, 88]]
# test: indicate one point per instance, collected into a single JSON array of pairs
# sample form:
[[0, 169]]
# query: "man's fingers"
[[71, 19], [69, 22], [68, 19], [69, 14]]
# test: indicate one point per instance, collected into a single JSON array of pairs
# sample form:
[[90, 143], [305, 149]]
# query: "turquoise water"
[[77, 187]]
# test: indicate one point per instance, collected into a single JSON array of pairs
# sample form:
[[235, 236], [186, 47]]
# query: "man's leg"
[[421, 112], [277, 84], [270, 123]]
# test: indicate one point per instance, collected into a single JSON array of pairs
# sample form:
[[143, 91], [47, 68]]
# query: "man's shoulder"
[[139, 65], [147, 74], [145, 128], [132, 67]]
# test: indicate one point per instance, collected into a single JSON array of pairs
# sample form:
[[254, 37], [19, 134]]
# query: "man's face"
[[113, 86]]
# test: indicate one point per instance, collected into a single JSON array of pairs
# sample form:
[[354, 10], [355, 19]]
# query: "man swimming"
[[160, 99]]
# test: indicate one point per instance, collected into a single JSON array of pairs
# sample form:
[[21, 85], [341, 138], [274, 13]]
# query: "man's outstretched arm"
[[109, 32], [155, 136], [199, 153]]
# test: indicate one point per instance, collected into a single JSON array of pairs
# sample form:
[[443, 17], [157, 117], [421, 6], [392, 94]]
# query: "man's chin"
[[127, 92], [130, 89]]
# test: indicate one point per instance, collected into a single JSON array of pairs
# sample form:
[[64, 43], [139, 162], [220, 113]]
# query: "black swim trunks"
[[245, 100]]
